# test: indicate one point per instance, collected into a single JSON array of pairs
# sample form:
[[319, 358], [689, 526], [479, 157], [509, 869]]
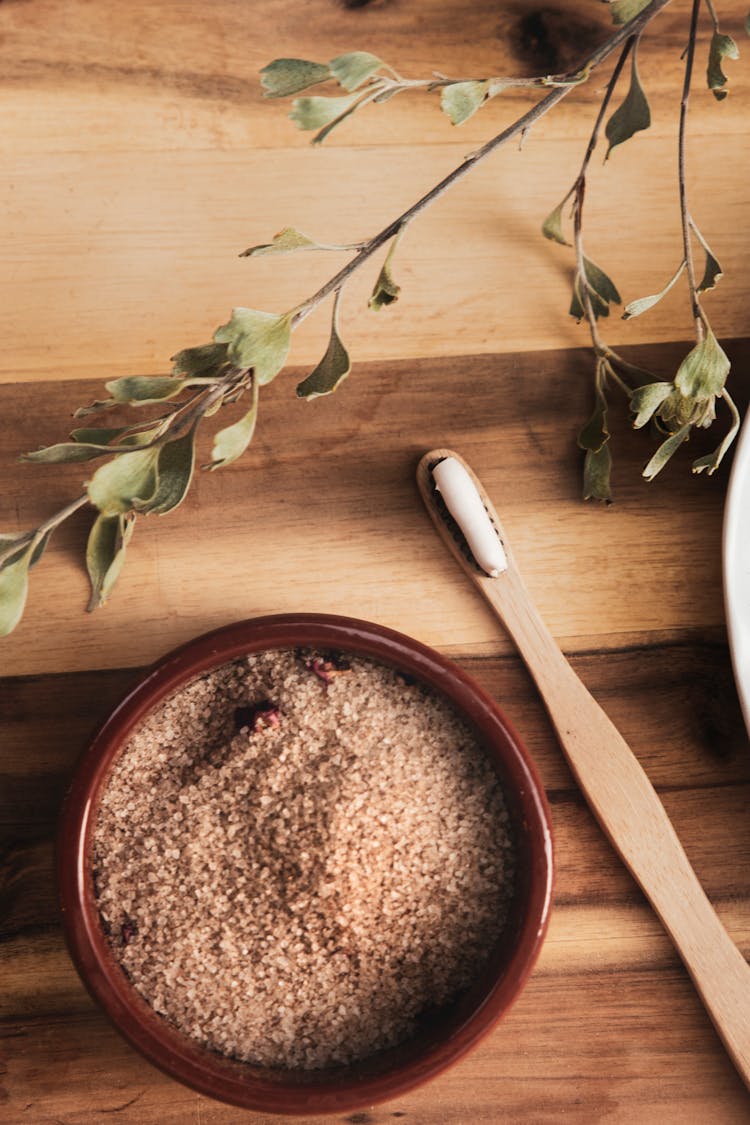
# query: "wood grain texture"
[[609, 775], [139, 159], [323, 514], [609, 1027]]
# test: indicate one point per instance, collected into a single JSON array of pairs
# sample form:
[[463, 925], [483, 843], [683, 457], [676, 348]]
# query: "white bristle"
[[465, 505]]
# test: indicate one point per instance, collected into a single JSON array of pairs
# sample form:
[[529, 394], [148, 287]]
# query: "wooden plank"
[[139, 158], [620, 1054], [138, 164], [130, 270], [329, 519], [609, 1024], [188, 58]]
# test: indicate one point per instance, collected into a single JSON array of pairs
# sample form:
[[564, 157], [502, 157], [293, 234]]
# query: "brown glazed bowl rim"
[[228, 1080]]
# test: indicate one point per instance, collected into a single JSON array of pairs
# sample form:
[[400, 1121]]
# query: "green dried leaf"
[[317, 113], [174, 472], [105, 554], [200, 362], [601, 290], [704, 413], [552, 225], [675, 411], [142, 390], [598, 305], [95, 407], [257, 340], [623, 11], [40, 547], [231, 442], [8, 541], [24, 542], [643, 304], [722, 47], [286, 241], [645, 401], [214, 408], [602, 285], [98, 435], [284, 77], [712, 271], [139, 437], [386, 290], [711, 274], [14, 586], [632, 116], [332, 369], [703, 371], [595, 433], [386, 95], [712, 461], [128, 477], [597, 468], [66, 453], [351, 70], [461, 100], [666, 450]]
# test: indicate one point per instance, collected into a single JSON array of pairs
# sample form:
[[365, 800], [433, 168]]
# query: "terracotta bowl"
[[388, 1073]]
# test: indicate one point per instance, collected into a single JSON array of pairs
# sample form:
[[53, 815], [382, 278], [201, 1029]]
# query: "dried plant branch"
[[579, 195], [521, 126], [11, 547], [697, 312], [152, 460]]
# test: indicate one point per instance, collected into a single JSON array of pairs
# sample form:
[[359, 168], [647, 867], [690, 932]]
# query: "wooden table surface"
[[138, 158]]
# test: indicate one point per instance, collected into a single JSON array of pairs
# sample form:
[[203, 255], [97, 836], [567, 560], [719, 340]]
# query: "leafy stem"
[[630, 45], [579, 194], [30, 539], [625, 34], [151, 462], [712, 14], [698, 315]]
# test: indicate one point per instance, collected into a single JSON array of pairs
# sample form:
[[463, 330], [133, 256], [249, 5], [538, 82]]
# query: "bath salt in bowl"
[[305, 865]]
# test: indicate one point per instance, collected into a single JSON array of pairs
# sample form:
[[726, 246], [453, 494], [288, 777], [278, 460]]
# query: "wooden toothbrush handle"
[[633, 817]]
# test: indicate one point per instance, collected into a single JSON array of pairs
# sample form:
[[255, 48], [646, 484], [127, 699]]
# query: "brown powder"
[[296, 892]]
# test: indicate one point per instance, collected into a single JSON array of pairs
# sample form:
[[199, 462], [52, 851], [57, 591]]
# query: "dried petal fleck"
[[257, 716]]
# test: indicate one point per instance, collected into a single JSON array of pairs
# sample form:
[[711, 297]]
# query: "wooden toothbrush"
[[610, 777]]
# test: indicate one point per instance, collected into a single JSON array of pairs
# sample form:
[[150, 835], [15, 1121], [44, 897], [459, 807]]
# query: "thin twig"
[[698, 314], [186, 413], [580, 193], [637, 374], [735, 416], [630, 44], [524, 122], [609, 358], [719, 453], [226, 388], [180, 422], [200, 403], [713, 15], [63, 514], [502, 81], [33, 537]]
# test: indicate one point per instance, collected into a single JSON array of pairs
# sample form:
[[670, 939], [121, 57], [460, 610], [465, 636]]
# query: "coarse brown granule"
[[296, 893]]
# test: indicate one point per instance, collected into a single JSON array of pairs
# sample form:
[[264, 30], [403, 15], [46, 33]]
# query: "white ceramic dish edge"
[[736, 567]]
